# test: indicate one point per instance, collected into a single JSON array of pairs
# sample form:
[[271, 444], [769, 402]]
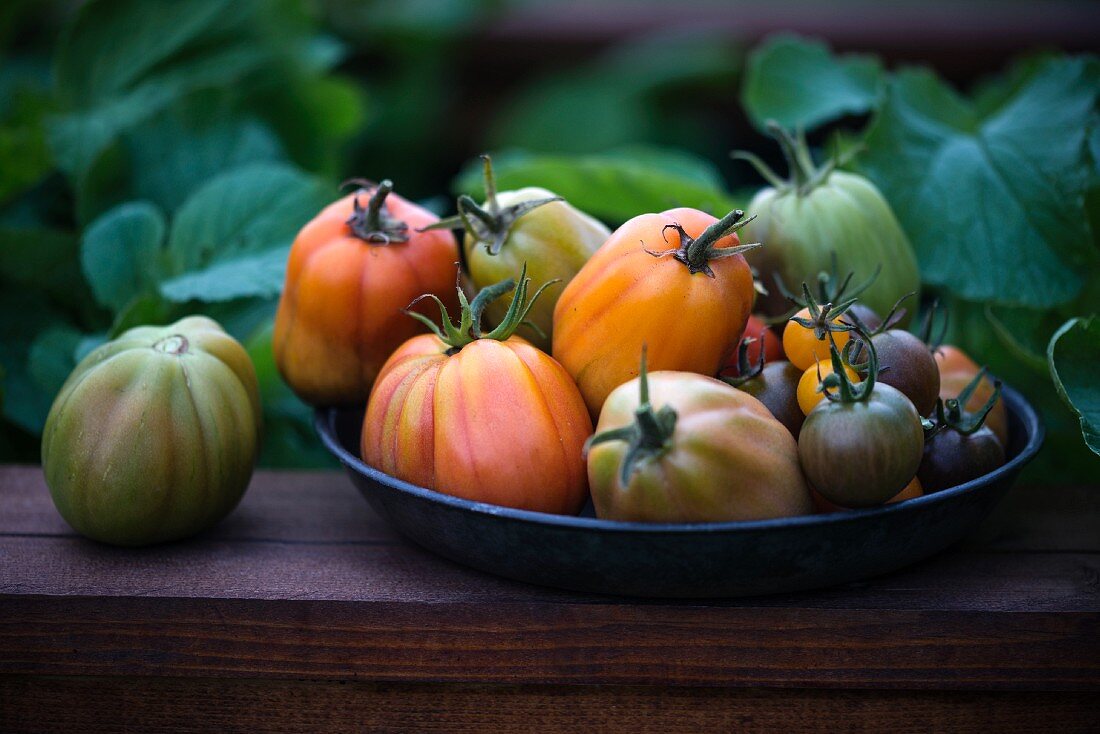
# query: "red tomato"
[[764, 339]]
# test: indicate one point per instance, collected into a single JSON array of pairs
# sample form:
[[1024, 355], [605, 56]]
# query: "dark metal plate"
[[682, 560]]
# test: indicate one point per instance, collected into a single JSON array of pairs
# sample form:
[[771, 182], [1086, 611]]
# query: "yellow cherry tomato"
[[801, 345], [808, 395]]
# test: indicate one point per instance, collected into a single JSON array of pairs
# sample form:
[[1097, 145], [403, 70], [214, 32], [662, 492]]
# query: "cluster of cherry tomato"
[[477, 387]]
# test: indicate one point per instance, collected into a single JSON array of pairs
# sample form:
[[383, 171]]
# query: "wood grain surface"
[[303, 583]]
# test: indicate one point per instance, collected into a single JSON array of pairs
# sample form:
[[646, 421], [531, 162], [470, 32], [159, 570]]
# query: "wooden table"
[[304, 612]]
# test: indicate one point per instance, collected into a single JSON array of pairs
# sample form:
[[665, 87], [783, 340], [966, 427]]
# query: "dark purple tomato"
[[905, 362], [866, 316], [860, 454], [952, 458], [777, 388]]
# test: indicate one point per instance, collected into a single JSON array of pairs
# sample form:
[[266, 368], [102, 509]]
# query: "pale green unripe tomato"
[[554, 239], [844, 214], [154, 435]]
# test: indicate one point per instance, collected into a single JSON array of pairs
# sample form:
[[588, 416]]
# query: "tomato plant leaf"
[[230, 238], [1073, 353], [120, 253], [612, 186], [52, 357], [1019, 235], [799, 83]]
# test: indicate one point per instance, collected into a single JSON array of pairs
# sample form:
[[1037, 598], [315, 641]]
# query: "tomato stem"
[[374, 224], [469, 325], [697, 252], [648, 437], [489, 224]]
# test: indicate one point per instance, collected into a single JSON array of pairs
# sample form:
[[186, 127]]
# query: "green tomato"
[[820, 213], [554, 239], [154, 435], [860, 454], [694, 449]]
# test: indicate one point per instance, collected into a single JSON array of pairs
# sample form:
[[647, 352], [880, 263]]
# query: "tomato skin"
[[555, 241], [624, 298], [340, 316], [765, 340], [911, 491], [845, 214], [808, 382], [951, 458], [907, 364], [802, 346], [956, 372], [497, 422], [863, 453], [729, 459], [777, 388]]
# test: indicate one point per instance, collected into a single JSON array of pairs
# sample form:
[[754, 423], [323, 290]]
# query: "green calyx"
[[374, 223], [838, 387], [696, 253], [950, 413], [649, 436], [804, 174], [491, 223], [746, 371], [469, 324], [831, 288]]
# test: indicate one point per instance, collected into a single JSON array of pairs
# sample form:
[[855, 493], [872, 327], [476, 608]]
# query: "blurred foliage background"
[[157, 158]]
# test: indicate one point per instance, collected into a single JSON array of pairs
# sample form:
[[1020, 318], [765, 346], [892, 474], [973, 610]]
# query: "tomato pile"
[[542, 400]]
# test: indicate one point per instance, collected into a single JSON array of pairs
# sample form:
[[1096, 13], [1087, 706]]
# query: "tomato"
[[821, 213], [911, 491], [952, 458], [352, 271], [486, 417], [681, 447], [776, 386], [532, 228], [154, 435], [863, 445], [689, 303], [802, 345], [808, 394], [907, 364], [956, 370], [764, 340]]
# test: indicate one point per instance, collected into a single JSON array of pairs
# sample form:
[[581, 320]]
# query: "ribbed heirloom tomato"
[[486, 417], [676, 281], [351, 272]]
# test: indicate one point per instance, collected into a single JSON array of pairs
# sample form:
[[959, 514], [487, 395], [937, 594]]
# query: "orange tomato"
[[647, 286], [956, 371], [808, 394], [801, 345], [348, 280], [497, 422]]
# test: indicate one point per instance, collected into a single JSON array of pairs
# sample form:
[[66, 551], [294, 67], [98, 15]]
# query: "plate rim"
[[1017, 404]]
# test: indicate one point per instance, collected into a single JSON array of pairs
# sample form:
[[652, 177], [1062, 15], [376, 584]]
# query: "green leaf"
[[111, 44], [77, 139], [26, 403], [52, 357], [1073, 354], [121, 253], [800, 84], [230, 239], [176, 152], [633, 94], [993, 204], [612, 186]]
